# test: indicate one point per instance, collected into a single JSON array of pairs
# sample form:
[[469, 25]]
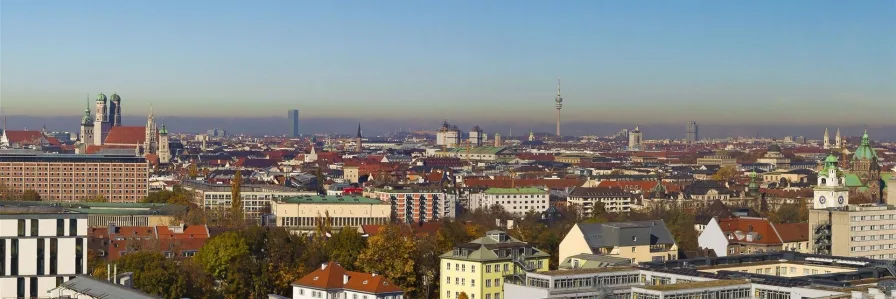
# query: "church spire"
[[359, 131]]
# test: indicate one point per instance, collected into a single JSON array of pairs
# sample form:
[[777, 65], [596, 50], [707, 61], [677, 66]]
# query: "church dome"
[[774, 148], [115, 97], [865, 151], [101, 97], [163, 130]]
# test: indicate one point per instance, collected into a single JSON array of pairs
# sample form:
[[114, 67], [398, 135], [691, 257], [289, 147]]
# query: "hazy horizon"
[[737, 63]]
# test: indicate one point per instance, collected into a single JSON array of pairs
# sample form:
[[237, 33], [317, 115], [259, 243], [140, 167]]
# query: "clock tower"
[[831, 191]]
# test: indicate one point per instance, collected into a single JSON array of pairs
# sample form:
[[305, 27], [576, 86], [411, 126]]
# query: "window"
[[2, 257], [60, 227], [34, 227], [448, 281], [488, 268], [447, 294], [463, 268], [20, 286], [73, 227], [488, 284], [633, 249], [54, 251], [14, 261], [21, 232], [33, 287], [40, 256], [448, 266], [79, 256], [473, 268], [472, 282]]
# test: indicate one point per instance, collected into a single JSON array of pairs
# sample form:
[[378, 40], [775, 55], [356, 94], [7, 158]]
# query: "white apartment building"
[[514, 200], [40, 248], [415, 205], [613, 199]]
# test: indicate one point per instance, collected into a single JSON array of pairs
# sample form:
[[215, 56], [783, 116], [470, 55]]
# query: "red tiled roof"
[[506, 183], [793, 232], [93, 149], [332, 276], [23, 136], [764, 230], [190, 232], [126, 135]]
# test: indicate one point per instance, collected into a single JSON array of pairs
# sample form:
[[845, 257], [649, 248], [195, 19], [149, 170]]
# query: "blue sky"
[[656, 61]]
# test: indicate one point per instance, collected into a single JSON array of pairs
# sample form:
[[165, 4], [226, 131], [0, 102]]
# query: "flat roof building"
[[256, 198], [301, 213], [64, 177], [40, 248], [103, 214]]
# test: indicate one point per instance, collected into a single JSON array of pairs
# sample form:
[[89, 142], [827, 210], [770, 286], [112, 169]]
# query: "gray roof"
[[626, 233], [102, 289], [594, 261]]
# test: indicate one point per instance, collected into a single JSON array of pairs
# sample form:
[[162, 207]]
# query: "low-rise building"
[[479, 268], [613, 200], [639, 241], [174, 241], [480, 153], [40, 248], [518, 201], [302, 213], [717, 160], [256, 199], [332, 281], [750, 235]]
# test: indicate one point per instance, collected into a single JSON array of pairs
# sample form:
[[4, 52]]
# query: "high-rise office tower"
[[634, 139], [294, 122], [693, 135]]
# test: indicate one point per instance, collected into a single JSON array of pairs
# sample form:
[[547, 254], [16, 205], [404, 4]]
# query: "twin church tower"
[[96, 131]]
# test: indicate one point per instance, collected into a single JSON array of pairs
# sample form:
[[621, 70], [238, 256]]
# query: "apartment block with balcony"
[[61, 177], [518, 201], [40, 248], [613, 199], [419, 205], [639, 241], [480, 268]]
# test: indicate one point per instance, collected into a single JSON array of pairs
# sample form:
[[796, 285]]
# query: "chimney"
[[323, 266], [373, 274], [344, 278]]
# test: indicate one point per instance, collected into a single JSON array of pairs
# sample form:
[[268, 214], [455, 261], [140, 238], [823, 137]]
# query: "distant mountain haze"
[[378, 127]]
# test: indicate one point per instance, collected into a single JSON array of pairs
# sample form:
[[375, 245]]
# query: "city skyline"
[[730, 63]]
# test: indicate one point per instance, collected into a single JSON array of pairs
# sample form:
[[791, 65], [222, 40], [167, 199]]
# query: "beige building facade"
[[867, 230], [302, 212], [638, 241]]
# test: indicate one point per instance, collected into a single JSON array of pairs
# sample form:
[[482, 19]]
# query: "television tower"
[[559, 101]]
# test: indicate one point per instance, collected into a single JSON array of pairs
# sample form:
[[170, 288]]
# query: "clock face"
[[822, 199], [840, 199]]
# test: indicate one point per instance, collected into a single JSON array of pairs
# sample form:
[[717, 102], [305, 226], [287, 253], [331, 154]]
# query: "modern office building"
[[40, 248], [693, 134], [639, 241], [63, 177], [635, 140], [293, 123], [302, 213], [479, 268], [518, 201], [256, 198]]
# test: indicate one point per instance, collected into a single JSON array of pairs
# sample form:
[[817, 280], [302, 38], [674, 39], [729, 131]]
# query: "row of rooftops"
[[55, 207]]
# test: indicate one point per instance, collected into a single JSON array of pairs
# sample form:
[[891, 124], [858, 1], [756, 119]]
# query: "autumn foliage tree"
[[391, 254]]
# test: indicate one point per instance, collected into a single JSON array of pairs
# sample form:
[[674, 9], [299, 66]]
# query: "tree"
[[391, 254], [154, 274], [236, 206], [30, 195], [96, 198], [726, 173], [193, 171], [463, 295], [345, 247], [219, 252], [786, 213]]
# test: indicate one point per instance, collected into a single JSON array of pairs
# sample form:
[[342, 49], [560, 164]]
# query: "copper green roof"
[[852, 180], [865, 151], [101, 97], [332, 199], [527, 190]]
